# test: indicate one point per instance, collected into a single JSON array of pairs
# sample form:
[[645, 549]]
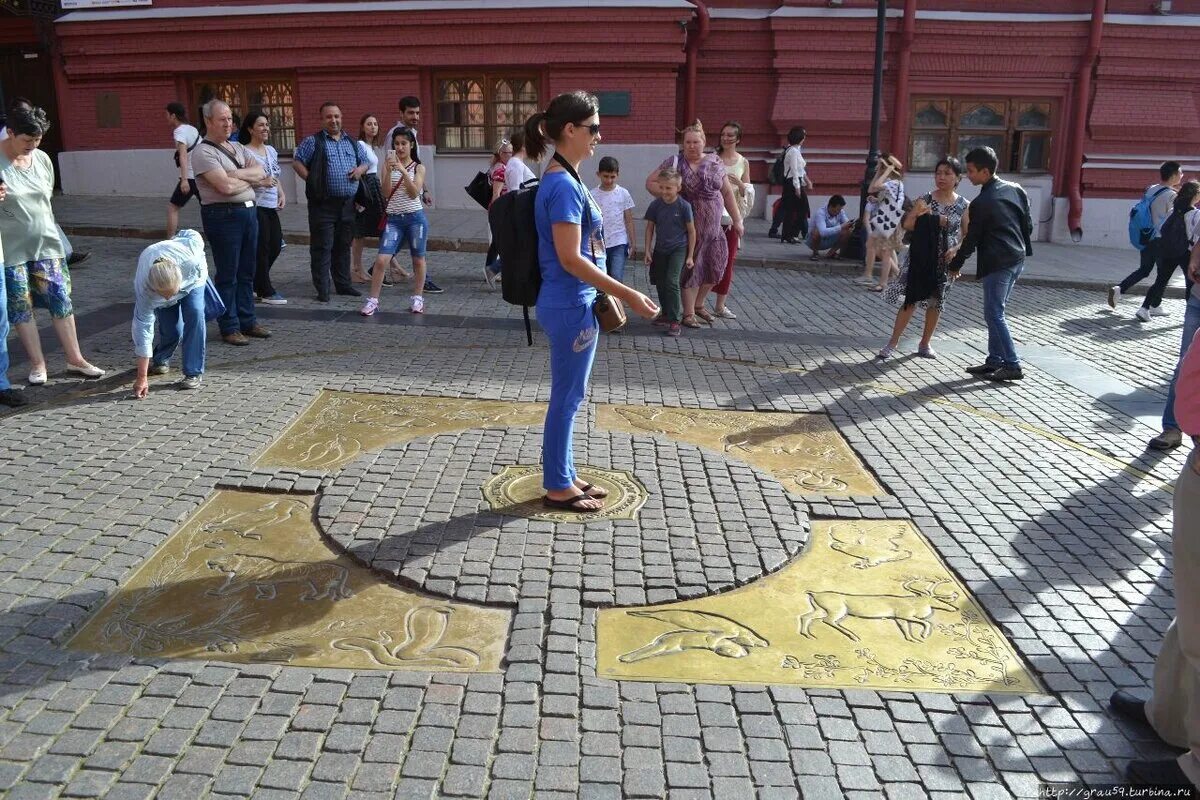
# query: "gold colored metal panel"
[[869, 605], [517, 491], [339, 426], [248, 579], [804, 452]]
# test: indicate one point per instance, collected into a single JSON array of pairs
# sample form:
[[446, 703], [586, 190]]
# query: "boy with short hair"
[[616, 207], [670, 245]]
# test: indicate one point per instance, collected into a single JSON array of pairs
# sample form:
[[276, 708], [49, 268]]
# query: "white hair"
[[164, 277], [210, 107]]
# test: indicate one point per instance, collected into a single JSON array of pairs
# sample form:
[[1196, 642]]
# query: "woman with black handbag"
[[572, 265], [368, 200]]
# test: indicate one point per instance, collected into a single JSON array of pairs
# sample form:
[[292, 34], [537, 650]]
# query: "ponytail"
[[547, 126], [535, 140]]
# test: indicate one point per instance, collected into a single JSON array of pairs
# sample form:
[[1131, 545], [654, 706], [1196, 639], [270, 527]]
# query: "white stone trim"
[[1166, 20], [370, 7]]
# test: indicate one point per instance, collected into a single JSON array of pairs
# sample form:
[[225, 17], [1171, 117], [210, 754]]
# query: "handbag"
[[480, 189], [214, 306], [610, 312]]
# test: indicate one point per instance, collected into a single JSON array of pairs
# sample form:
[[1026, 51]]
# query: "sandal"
[[588, 487], [703, 314], [569, 504], [875, 288], [690, 322]]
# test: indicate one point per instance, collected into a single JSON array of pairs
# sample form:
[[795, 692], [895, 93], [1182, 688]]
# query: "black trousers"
[[1149, 257], [1166, 270], [270, 242], [331, 230], [794, 212]]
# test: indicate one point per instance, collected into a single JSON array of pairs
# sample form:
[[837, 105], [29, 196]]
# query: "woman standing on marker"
[[571, 257]]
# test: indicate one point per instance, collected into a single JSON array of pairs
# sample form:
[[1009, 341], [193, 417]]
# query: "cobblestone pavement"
[[1039, 495]]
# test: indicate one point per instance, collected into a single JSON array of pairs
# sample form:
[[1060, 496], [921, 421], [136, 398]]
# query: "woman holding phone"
[[403, 180], [572, 262]]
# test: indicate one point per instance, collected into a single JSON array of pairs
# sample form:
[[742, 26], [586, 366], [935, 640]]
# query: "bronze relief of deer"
[[910, 612]]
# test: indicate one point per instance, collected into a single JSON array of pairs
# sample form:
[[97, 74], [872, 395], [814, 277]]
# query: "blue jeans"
[[4, 384], [997, 286], [1191, 323], [615, 258], [573, 335], [232, 230], [412, 228], [184, 319]]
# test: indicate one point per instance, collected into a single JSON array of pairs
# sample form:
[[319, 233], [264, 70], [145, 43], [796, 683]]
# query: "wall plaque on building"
[[72, 5]]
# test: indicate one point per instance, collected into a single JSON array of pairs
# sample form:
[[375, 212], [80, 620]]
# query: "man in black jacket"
[[999, 228]]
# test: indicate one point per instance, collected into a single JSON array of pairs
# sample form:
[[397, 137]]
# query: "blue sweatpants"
[[573, 334]]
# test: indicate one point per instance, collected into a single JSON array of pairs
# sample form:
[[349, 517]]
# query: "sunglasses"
[[592, 129]]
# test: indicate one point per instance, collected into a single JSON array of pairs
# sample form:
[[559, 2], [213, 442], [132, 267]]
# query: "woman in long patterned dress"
[[950, 208], [705, 187]]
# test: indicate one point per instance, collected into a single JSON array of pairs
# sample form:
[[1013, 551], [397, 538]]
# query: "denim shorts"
[[412, 228]]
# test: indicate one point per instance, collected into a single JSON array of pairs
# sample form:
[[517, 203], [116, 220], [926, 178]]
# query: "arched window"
[[275, 97], [474, 112], [1018, 130]]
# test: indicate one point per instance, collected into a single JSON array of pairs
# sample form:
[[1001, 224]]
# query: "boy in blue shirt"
[[672, 232]]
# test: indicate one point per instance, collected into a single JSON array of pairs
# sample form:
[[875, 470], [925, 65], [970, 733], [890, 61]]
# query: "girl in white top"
[[403, 180], [737, 171], [516, 172], [269, 198], [366, 218]]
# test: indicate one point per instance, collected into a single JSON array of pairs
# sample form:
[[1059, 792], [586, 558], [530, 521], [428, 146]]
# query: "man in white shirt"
[[795, 182], [830, 228], [185, 137]]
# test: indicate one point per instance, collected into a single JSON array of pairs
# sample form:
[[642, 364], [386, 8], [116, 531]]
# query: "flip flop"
[[587, 487], [569, 504]]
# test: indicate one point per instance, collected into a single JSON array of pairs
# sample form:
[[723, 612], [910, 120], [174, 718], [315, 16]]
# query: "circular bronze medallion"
[[518, 492]]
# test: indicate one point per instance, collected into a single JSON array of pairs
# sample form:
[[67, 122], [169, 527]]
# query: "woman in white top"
[[403, 181], [368, 202], [268, 198], [795, 184], [737, 172]]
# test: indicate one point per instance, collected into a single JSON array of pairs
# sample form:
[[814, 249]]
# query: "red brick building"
[[1081, 98]]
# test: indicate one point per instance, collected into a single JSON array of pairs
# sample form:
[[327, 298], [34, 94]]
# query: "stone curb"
[[480, 246]]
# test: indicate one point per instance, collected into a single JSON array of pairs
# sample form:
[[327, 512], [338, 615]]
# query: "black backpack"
[[514, 233], [1173, 236], [775, 173]]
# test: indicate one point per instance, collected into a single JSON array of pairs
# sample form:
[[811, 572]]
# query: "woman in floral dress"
[[707, 190]]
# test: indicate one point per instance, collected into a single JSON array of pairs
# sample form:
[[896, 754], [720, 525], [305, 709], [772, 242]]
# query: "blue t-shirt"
[[670, 224], [560, 198]]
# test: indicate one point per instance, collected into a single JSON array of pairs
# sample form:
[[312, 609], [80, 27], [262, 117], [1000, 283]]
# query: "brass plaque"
[[517, 491], [339, 426], [869, 605], [804, 452], [248, 579]]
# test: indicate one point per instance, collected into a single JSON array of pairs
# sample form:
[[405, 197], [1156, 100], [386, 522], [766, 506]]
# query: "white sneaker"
[[1158, 311], [1143, 314], [1114, 296], [418, 304]]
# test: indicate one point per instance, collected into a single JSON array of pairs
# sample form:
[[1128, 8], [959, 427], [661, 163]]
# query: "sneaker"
[[983, 369], [724, 313], [927, 352], [432, 288], [1114, 296], [674, 329], [1169, 439], [387, 276], [13, 398], [887, 352], [237, 339], [275, 300], [159, 369], [190, 382], [1006, 374], [1159, 311], [418, 304], [257, 332], [37, 377], [1143, 314], [370, 306], [76, 258]]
